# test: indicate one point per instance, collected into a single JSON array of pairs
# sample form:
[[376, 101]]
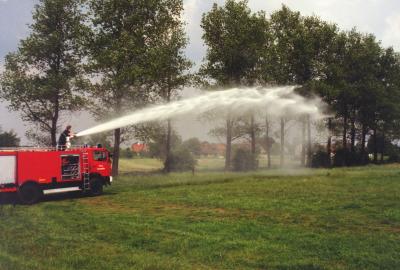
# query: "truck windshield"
[[100, 156]]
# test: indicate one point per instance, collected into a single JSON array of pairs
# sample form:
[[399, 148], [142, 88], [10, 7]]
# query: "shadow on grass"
[[165, 180], [162, 185], [12, 198], [8, 199]]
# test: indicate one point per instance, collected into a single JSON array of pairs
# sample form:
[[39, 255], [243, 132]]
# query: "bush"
[[193, 145], [127, 153], [393, 158], [344, 157], [9, 139], [182, 160], [320, 159], [244, 160], [393, 151]]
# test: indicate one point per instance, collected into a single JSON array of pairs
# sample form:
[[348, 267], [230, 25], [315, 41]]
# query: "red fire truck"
[[34, 172]]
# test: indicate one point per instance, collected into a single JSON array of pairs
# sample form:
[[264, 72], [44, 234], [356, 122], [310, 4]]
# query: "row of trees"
[[112, 56], [350, 71]]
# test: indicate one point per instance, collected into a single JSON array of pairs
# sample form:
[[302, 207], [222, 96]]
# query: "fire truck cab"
[[34, 172]]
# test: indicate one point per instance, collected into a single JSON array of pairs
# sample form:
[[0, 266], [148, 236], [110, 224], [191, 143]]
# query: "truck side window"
[[100, 156]]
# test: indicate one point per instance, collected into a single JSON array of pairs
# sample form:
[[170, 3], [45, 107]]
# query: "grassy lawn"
[[146, 165], [323, 219], [140, 165]]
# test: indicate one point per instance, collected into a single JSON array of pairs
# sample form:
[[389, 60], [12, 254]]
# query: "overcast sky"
[[381, 17]]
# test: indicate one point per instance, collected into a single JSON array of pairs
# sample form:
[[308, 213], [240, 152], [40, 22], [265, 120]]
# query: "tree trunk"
[[344, 139], [54, 123], [353, 136], [167, 163], [383, 147], [375, 140], [252, 135], [267, 142], [282, 156], [303, 142], [363, 141], [309, 146], [117, 142], [53, 133], [228, 149], [329, 144]]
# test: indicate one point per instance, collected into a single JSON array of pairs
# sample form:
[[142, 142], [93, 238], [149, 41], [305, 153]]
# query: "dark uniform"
[[62, 140]]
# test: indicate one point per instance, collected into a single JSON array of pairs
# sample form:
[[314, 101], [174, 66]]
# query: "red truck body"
[[46, 171]]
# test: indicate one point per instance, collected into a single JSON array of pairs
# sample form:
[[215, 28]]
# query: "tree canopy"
[[8, 138], [43, 78]]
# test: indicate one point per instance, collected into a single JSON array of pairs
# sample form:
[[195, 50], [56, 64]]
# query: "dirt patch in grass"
[[104, 204], [160, 208]]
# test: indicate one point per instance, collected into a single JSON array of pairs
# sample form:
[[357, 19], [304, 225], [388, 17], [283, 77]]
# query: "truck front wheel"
[[96, 187], [29, 193]]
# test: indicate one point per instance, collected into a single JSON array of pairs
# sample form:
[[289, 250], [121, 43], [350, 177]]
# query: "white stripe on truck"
[[60, 190]]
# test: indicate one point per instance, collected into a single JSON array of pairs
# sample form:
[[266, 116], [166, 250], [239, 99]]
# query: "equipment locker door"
[[70, 169], [8, 169]]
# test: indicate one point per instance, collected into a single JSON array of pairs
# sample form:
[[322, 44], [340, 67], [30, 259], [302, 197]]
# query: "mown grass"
[[323, 219], [147, 165], [140, 165]]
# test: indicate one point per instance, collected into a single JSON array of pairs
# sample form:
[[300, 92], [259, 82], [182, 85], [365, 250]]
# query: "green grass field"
[[322, 219], [147, 165]]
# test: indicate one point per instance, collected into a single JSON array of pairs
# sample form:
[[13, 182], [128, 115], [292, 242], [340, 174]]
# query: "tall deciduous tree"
[[281, 55], [297, 55], [171, 69], [125, 39], [314, 47], [41, 80], [234, 36], [388, 110]]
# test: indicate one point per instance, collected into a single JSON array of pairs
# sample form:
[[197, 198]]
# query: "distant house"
[[212, 149], [140, 148]]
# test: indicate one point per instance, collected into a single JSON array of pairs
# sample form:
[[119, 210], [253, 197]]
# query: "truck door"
[[101, 162], [8, 172]]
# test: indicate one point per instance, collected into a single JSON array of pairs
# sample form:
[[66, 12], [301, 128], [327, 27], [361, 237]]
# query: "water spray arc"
[[276, 101]]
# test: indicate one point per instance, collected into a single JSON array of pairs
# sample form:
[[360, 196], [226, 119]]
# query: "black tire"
[[29, 194], [96, 187]]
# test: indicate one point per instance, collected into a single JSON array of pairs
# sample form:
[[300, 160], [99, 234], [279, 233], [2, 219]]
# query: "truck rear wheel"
[[96, 186], [29, 193]]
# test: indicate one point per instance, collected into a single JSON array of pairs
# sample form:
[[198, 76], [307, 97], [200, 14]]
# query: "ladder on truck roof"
[[86, 172]]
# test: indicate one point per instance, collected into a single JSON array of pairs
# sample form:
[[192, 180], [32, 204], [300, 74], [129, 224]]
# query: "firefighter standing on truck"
[[65, 136]]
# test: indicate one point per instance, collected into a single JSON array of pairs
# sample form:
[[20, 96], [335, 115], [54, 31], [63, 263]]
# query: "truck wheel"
[[96, 187], [29, 193]]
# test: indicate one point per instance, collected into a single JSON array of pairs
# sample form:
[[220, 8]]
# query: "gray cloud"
[[372, 16], [14, 17]]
